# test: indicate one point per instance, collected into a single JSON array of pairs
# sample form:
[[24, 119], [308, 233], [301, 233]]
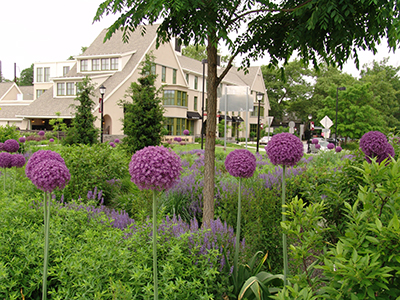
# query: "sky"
[[53, 30]]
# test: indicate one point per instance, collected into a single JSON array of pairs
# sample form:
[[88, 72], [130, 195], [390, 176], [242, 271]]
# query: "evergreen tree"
[[26, 78], [83, 130], [143, 113]]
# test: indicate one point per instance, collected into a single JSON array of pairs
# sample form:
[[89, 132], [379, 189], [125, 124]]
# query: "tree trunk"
[[209, 154]]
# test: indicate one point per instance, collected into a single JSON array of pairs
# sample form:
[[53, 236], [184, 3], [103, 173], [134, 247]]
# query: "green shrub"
[[8, 132]]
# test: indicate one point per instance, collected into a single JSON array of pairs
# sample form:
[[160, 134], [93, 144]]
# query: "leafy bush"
[[93, 166], [8, 132], [89, 257]]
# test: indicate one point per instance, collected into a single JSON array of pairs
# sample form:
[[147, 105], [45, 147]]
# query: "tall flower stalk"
[[239, 163], [155, 168], [284, 149], [47, 171]]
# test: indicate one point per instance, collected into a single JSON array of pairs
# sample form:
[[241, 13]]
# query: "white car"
[[264, 140]]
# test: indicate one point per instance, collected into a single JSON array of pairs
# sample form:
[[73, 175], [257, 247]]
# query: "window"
[[114, 63], [172, 97], [46, 74], [84, 65], [39, 93], [180, 126], [253, 128], [153, 69], [60, 89], [196, 79], [169, 125], [254, 113], [65, 70], [95, 64], [39, 75], [164, 74], [174, 76], [105, 64], [70, 88], [195, 103], [187, 78], [176, 126]]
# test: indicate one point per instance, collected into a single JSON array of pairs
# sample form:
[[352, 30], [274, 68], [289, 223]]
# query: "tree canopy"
[[317, 29]]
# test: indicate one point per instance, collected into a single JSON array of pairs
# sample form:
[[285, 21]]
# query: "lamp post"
[[102, 90], [204, 61], [309, 134], [342, 88], [259, 98]]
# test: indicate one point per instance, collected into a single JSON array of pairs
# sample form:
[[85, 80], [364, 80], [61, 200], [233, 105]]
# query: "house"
[[115, 64]]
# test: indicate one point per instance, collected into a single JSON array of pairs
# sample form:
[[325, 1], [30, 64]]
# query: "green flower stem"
[[236, 258], [4, 181], [155, 245], [46, 242], [284, 241]]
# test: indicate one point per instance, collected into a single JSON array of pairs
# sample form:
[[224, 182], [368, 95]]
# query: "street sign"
[[291, 124], [326, 122]]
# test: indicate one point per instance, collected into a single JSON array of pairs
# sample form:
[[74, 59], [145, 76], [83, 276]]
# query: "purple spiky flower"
[[284, 149], [49, 175], [155, 168], [40, 156], [241, 163], [11, 146]]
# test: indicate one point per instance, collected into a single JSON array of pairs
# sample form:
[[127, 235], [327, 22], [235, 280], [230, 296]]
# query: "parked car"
[[264, 140]]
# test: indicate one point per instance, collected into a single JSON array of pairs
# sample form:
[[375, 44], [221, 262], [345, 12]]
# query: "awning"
[[237, 119], [193, 115], [222, 117]]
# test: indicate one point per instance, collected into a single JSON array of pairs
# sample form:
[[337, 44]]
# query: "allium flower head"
[[317, 146], [241, 163], [314, 141], [22, 139], [338, 149], [40, 156], [178, 139], [331, 146], [373, 143], [41, 133], [284, 149], [186, 132], [155, 168], [117, 141], [11, 146], [51, 140], [50, 174], [18, 160], [112, 144], [5, 160]]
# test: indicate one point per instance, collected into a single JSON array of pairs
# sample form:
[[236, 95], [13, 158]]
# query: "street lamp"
[[204, 61], [342, 88], [259, 98], [102, 90], [309, 134]]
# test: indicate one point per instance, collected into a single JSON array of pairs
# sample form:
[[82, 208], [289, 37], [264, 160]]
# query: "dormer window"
[[105, 64], [95, 64], [84, 65], [60, 89], [114, 63]]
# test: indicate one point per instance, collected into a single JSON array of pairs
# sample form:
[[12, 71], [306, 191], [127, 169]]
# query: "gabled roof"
[[5, 87], [27, 91]]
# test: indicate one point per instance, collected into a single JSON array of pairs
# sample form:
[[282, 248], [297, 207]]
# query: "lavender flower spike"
[[241, 163], [284, 149], [155, 168]]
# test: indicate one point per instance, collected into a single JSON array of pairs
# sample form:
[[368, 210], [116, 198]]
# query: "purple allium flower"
[[317, 146], [51, 140], [331, 146], [177, 139], [338, 149], [41, 133], [373, 143], [40, 156], [5, 160], [155, 168], [186, 132], [11, 146], [284, 149], [50, 174], [241, 163], [18, 160], [22, 139], [112, 144], [117, 141], [314, 141]]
